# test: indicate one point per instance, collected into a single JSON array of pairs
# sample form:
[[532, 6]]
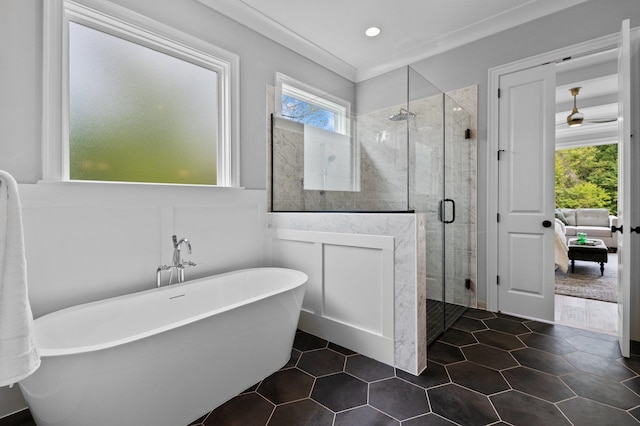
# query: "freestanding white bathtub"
[[164, 356]]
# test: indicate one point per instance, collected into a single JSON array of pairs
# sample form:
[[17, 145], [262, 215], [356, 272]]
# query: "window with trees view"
[[587, 177], [305, 104]]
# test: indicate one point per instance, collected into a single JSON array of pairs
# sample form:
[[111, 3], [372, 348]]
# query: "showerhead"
[[402, 115]]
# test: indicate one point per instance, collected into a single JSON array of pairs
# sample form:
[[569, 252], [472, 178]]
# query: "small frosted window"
[[139, 115]]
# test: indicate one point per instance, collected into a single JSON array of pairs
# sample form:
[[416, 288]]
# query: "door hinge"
[[498, 279], [499, 92], [467, 283], [498, 218]]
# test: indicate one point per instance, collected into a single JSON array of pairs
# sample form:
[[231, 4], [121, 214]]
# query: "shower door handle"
[[441, 213]]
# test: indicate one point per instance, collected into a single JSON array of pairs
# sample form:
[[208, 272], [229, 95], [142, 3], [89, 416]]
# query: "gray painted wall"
[[469, 65], [21, 64], [260, 58]]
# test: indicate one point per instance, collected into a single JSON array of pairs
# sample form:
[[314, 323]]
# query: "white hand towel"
[[18, 353]]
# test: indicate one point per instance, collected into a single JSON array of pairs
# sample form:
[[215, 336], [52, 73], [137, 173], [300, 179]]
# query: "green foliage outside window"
[[587, 177], [139, 115]]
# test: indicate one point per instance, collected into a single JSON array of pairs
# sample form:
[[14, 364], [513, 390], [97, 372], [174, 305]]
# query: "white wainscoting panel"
[[89, 241], [350, 293]]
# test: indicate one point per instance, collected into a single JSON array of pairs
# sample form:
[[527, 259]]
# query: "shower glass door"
[[440, 175], [458, 208]]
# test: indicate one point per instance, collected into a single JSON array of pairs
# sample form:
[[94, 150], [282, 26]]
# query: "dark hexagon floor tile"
[[469, 324], [398, 399], [601, 390], [511, 317], [306, 342], [304, 412], [499, 340], [293, 360], [246, 409], [341, 349], [478, 314], [321, 362], [434, 375], [543, 361], [461, 405], [444, 353], [428, 420], [600, 366], [633, 384], [596, 335], [368, 369], [632, 363], [554, 330], [457, 337], [595, 346], [364, 416], [286, 386], [635, 413], [473, 376], [520, 409], [583, 411], [489, 356], [506, 326], [340, 392], [193, 423], [542, 385], [547, 343]]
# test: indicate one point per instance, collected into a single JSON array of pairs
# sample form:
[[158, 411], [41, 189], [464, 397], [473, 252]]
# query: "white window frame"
[[128, 25], [311, 95]]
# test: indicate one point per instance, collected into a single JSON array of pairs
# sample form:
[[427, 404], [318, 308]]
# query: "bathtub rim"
[[300, 280]]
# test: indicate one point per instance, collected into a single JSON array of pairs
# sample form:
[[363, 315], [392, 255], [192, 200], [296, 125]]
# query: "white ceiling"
[[331, 32]]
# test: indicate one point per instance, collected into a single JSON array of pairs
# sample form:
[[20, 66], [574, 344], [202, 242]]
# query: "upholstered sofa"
[[596, 223]]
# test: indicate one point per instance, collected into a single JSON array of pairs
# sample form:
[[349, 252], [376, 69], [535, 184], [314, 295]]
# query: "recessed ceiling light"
[[372, 31]]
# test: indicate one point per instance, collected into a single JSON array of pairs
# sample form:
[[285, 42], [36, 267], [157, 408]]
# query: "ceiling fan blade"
[[601, 120]]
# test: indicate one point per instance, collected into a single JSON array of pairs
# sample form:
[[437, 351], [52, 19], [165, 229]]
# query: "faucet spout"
[[178, 264]]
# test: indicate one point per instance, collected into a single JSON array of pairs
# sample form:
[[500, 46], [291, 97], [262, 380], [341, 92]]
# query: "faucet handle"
[[187, 263]]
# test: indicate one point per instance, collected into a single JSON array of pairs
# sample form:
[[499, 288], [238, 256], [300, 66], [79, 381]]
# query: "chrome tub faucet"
[[178, 264]]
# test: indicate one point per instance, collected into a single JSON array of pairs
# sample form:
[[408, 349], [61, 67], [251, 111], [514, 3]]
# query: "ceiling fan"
[[576, 118]]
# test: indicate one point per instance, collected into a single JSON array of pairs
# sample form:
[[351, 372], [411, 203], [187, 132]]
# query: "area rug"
[[586, 281]]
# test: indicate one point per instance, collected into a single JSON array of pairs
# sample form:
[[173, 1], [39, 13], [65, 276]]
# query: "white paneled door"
[[625, 194], [526, 192]]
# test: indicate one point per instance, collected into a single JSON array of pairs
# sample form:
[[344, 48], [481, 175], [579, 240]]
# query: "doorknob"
[[617, 228], [546, 224]]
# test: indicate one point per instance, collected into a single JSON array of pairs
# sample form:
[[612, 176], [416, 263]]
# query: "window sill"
[[114, 184]]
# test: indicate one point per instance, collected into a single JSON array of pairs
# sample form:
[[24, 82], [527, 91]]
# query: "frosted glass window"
[[137, 114]]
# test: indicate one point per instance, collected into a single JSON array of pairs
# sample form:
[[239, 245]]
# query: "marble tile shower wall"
[[383, 168]]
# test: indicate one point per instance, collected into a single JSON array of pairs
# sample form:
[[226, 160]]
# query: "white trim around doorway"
[[558, 55]]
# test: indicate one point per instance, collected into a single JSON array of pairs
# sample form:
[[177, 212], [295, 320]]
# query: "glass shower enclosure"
[[407, 147]]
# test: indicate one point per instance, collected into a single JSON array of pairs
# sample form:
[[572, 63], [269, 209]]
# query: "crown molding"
[[257, 21]]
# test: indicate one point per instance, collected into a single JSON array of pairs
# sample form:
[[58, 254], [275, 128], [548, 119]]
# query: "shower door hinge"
[[499, 92], [467, 134], [498, 279], [498, 217]]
